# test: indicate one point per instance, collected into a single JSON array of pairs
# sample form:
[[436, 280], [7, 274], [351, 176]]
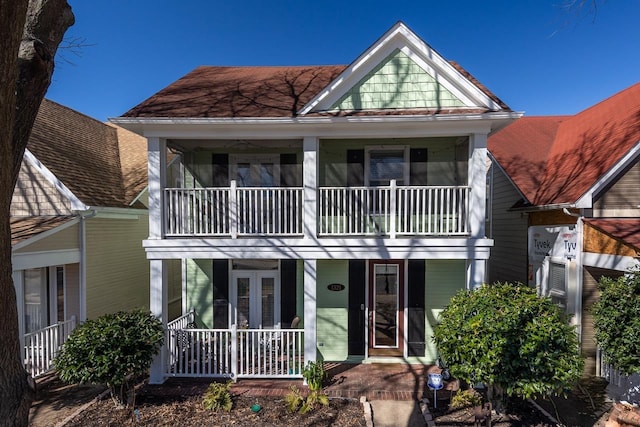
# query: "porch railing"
[[41, 347], [233, 211], [374, 211], [233, 353], [394, 210]]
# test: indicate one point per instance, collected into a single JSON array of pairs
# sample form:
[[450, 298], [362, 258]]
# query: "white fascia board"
[[402, 38], [119, 213], [325, 248], [586, 201], [45, 234], [27, 260], [299, 127], [76, 204], [609, 262]]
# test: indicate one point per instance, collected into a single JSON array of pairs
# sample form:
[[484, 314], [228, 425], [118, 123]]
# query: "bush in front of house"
[[508, 338], [616, 318], [112, 349]]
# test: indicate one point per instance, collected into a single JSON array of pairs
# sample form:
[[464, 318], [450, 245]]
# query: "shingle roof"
[[557, 159], [102, 166], [23, 228], [234, 92], [627, 230]]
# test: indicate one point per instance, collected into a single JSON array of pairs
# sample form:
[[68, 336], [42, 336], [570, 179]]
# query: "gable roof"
[[556, 160], [23, 228], [278, 92], [100, 164]]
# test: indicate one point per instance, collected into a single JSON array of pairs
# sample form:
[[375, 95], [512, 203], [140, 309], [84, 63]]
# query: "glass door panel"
[[268, 302], [385, 306], [243, 304]]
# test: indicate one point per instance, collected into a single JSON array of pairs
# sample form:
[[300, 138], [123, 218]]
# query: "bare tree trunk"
[[30, 33]]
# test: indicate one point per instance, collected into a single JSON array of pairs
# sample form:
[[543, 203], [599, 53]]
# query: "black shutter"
[[289, 176], [287, 291], [416, 294], [418, 169], [220, 170], [355, 328], [220, 294], [355, 168]]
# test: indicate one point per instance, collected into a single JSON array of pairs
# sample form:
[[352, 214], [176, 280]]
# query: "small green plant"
[[218, 397], [314, 398], [113, 349], [314, 374], [466, 399], [293, 399]]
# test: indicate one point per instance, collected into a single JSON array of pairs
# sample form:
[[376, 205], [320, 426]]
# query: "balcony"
[[392, 211]]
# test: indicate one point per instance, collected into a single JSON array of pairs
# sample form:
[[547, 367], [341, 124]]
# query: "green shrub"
[[616, 317], [112, 349], [314, 373], [314, 398], [466, 399], [507, 337], [218, 397]]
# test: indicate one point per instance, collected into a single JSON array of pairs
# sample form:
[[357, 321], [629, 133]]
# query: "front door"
[[386, 308], [255, 299]]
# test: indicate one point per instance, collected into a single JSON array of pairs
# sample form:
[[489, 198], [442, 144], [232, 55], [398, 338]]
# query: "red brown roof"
[[627, 230], [557, 159], [228, 92]]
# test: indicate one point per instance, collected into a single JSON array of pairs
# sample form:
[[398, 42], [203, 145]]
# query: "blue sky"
[[533, 54]]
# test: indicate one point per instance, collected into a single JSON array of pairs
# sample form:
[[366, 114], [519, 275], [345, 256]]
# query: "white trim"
[[313, 126], [76, 204], [586, 200], [44, 234], [310, 309], [609, 262], [291, 248], [401, 37], [26, 260]]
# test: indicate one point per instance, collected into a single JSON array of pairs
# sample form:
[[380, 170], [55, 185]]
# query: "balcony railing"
[[342, 211]]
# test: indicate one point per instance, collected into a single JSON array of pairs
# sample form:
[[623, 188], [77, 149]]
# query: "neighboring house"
[[350, 197], [78, 218], [566, 204]]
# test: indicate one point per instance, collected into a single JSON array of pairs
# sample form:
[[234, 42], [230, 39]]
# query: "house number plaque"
[[336, 287]]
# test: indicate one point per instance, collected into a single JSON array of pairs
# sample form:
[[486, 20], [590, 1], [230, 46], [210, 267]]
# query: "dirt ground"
[[59, 404]]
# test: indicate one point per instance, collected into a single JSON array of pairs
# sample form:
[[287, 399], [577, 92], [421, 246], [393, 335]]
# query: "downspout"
[[579, 272], [83, 263]]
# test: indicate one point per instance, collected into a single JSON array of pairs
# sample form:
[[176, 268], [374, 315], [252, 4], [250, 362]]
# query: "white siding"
[[508, 261]]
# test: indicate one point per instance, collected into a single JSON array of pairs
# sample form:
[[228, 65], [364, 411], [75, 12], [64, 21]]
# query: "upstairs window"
[[385, 164]]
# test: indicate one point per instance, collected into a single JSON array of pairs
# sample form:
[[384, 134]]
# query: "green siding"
[[332, 314], [200, 289], [444, 279], [441, 158], [397, 83]]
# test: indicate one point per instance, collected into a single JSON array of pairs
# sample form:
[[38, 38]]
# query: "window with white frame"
[[386, 163], [558, 284]]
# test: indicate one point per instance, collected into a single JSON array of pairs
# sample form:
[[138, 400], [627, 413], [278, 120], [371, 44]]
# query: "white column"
[[158, 304], [157, 165], [475, 273], [310, 309], [478, 182], [310, 184], [18, 283]]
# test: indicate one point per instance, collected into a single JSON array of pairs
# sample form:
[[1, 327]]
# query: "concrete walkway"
[[396, 413]]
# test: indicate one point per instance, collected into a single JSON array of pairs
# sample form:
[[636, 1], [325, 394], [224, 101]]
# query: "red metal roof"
[[557, 159]]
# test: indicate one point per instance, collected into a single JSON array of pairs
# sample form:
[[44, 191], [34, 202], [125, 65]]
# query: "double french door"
[[255, 299]]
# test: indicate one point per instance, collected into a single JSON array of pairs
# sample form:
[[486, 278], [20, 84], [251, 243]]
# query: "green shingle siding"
[[397, 83]]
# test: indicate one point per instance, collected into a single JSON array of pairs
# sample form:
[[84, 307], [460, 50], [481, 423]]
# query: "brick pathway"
[[376, 381]]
